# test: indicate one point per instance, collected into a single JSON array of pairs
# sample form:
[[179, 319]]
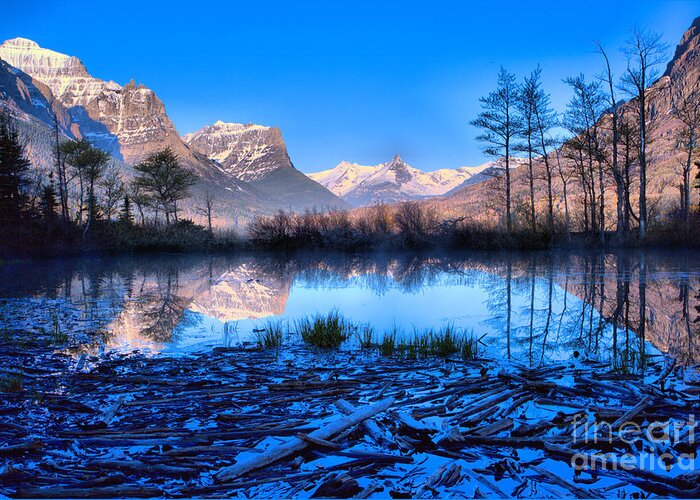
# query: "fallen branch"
[[276, 453]]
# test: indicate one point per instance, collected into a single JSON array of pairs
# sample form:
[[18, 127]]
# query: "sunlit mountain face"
[[533, 310]]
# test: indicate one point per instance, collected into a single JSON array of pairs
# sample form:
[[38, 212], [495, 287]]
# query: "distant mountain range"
[[130, 122], [248, 168], [257, 155], [394, 181]]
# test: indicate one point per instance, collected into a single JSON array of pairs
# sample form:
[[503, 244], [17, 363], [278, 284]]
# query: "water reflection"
[[619, 308]]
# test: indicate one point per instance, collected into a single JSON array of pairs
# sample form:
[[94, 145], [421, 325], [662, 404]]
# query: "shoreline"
[[115, 424]]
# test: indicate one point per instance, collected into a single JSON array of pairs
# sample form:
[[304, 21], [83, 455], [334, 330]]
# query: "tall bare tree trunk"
[[509, 216], [601, 217], [533, 221], [642, 167]]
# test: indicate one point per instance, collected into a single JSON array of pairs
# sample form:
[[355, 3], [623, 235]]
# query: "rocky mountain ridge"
[[257, 154], [130, 122], [392, 181]]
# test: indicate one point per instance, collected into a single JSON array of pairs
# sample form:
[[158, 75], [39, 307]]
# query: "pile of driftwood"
[[343, 424]]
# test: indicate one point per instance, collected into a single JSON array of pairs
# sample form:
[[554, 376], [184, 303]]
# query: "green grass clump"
[[366, 337], [11, 383], [58, 336], [388, 343], [326, 332], [270, 337], [442, 343], [469, 347], [445, 342]]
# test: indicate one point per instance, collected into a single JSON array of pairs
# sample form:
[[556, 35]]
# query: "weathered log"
[[18, 449], [104, 492], [633, 412], [370, 426], [275, 453], [554, 479], [319, 442], [495, 428]]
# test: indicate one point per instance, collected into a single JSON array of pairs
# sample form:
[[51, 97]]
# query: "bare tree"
[[139, 198], [545, 120], [581, 118], [629, 150], [686, 108], [113, 189], [500, 126], [61, 173], [526, 109], [565, 175], [207, 208], [618, 175], [644, 51]]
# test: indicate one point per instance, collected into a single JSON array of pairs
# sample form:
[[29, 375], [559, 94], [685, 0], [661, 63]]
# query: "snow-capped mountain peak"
[[391, 181], [258, 155], [50, 67]]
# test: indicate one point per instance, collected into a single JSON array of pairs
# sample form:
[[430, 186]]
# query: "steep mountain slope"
[[682, 77], [31, 106], [128, 121], [391, 182], [25, 98], [258, 155]]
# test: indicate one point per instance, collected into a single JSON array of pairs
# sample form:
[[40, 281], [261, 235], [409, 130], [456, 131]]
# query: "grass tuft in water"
[[326, 332], [388, 343], [270, 337], [58, 336], [366, 336], [442, 343], [469, 346]]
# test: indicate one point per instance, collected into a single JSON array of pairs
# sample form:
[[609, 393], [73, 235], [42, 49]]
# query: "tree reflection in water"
[[540, 307]]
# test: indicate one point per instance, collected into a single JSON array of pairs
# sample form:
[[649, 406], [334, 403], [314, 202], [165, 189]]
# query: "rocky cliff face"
[[249, 152], [391, 182], [32, 107], [258, 155], [129, 122], [25, 97]]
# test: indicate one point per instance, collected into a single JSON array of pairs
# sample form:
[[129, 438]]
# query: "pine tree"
[[89, 162], [48, 203], [164, 181], [13, 173], [126, 217]]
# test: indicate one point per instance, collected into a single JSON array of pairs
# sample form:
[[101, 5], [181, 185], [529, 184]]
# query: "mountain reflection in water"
[[532, 308]]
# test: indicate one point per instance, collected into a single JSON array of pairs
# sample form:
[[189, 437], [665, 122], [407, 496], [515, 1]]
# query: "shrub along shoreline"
[[408, 226]]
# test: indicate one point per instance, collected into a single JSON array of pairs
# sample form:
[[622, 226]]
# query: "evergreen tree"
[[164, 181], [126, 217], [48, 203], [89, 163], [13, 173]]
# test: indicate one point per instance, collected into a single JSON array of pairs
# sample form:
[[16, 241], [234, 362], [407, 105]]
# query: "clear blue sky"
[[344, 80]]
